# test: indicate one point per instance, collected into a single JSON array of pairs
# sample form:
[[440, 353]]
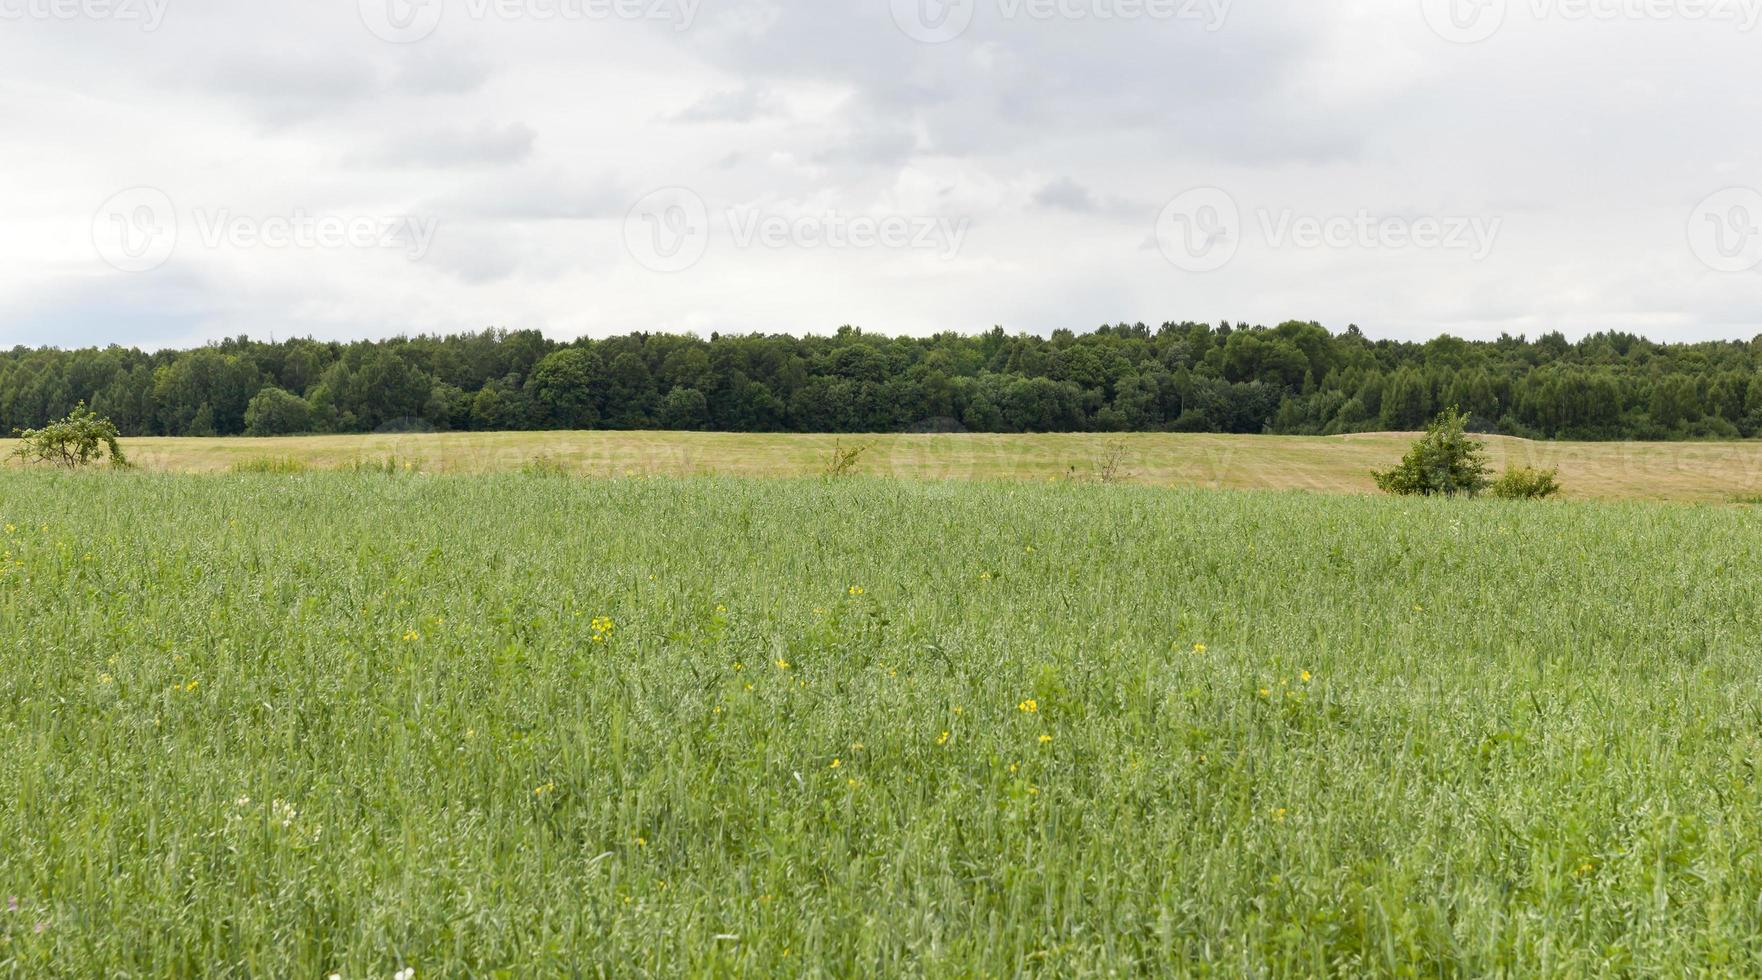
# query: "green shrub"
[[1526, 483], [385, 466], [543, 465], [1444, 462], [843, 461], [81, 439], [274, 412], [277, 465]]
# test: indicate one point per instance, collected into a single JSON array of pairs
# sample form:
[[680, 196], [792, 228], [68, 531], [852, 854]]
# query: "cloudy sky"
[[177, 171]]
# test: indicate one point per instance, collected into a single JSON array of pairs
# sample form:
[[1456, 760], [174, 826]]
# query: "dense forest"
[[1295, 378]]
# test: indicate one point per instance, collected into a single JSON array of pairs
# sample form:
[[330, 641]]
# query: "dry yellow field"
[[1708, 472]]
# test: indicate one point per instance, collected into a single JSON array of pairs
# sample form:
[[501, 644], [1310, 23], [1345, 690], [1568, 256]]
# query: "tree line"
[[1296, 378]]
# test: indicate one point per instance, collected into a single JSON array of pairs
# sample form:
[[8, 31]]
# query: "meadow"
[[528, 724], [1683, 471]]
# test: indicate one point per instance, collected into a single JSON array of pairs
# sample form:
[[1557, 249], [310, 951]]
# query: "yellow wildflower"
[[782, 664], [857, 590], [836, 763], [412, 636], [1029, 707], [1198, 648], [1045, 739], [1307, 677], [943, 739]]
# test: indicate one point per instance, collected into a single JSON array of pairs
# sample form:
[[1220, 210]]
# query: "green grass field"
[[535, 725], [1705, 471]]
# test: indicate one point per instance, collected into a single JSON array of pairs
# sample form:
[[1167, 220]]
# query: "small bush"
[[1444, 462], [843, 461], [385, 466], [276, 465], [1526, 483], [1115, 458], [81, 439], [543, 465]]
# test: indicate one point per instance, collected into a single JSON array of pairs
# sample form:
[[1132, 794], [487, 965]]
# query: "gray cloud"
[[485, 145], [1059, 142], [743, 105]]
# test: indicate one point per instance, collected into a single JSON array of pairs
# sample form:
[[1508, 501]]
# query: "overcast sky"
[[177, 171]]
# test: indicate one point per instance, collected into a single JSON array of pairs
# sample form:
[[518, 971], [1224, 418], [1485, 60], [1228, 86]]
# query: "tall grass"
[[861, 728], [272, 465]]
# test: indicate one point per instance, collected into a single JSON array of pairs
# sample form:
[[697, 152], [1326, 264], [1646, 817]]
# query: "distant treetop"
[[1295, 378]]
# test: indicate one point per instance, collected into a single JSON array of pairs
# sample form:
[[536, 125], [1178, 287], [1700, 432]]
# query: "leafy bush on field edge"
[[79, 440]]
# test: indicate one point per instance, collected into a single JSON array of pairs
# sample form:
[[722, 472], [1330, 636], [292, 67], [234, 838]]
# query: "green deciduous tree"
[[274, 412], [1444, 462], [80, 439]]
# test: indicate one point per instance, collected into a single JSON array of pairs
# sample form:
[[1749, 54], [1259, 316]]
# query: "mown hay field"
[[1685, 471], [529, 725]]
